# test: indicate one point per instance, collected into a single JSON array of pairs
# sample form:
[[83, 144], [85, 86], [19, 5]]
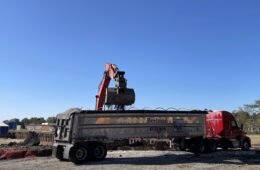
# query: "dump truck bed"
[[90, 125]]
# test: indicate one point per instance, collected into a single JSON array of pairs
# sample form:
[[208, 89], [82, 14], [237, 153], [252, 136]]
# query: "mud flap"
[[67, 151]]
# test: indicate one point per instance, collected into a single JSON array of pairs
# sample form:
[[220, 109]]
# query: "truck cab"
[[222, 126]]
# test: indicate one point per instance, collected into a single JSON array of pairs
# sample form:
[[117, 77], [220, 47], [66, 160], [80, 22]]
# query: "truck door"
[[227, 126], [235, 131], [231, 129], [235, 134]]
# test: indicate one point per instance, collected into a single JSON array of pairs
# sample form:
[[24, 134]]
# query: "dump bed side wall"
[[113, 126]]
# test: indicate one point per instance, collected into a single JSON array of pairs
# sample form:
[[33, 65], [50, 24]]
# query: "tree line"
[[32, 120], [249, 116]]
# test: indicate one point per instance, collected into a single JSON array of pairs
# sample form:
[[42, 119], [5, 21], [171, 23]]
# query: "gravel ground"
[[131, 160]]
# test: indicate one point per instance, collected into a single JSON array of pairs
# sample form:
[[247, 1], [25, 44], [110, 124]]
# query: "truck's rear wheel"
[[98, 152], [79, 154], [198, 147], [182, 145], [201, 147], [211, 146]]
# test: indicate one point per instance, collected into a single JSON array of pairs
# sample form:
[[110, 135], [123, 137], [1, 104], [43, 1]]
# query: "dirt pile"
[[29, 147], [21, 152]]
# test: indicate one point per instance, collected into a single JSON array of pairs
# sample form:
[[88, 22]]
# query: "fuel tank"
[[125, 97]]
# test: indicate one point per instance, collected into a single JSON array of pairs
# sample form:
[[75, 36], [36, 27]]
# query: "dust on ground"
[[131, 160]]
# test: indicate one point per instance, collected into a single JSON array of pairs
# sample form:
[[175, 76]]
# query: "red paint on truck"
[[222, 126]]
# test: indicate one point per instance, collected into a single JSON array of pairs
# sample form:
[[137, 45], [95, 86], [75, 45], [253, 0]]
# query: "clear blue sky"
[[183, 54]]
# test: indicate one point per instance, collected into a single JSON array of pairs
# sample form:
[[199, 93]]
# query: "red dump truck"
[[222, 126], [85, 135], [221, 131]]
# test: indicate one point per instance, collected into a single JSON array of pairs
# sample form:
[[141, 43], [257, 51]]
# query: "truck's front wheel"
[[245, 145], [79, 154]]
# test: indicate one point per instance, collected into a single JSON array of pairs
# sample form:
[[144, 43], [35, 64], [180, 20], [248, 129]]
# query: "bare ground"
[[255, 139], [130, 160], [8, 140]]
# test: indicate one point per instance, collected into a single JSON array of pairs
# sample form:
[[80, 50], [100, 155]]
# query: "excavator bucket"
[[125, 97]]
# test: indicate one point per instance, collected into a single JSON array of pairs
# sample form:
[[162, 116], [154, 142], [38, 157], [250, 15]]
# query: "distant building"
[[12, 125], [3, 129]]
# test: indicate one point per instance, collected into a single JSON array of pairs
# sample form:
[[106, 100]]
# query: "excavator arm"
[[118, 96], [109, 73]]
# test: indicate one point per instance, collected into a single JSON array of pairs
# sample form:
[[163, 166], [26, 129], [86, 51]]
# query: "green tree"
[[16, 120], [51, 119], [253, 108], [25, 120], [252, 121], [6, 121], [241, 117], [37, 120]]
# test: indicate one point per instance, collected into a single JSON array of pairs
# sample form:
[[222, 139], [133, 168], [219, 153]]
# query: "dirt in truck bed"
[[129, 160]]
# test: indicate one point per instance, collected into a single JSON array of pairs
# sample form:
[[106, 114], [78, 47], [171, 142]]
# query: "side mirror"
[[241, 126]]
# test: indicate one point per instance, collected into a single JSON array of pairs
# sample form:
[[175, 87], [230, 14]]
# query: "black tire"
[[192, 148], [245, 145], [79, 154], [182, 145], [201, 147], [224, 147], [98, 152], [198, 147], [59, 153], [211, 146]]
